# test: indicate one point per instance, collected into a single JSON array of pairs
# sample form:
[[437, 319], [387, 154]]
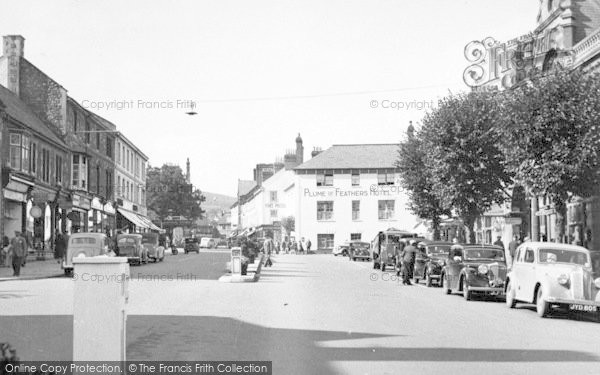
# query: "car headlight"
[[483, 269], [563, 279], [597, 283], [441, 262], [81, 255]]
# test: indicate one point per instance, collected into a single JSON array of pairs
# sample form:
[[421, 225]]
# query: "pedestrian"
[[4, 251], [499, 242], [268, 249], [308, 245], [18, 248], [408, 255], [512, 246], [300, 247], [60, 246]]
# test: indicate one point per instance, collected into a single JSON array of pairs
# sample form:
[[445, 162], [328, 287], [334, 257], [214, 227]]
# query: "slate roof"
[[20, 111], [245, 186], [380, 156]]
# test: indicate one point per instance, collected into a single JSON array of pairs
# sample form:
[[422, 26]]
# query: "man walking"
[[499, 242], [408, 255], [308, 245], [18, 248], [512, 247], [268, 249]]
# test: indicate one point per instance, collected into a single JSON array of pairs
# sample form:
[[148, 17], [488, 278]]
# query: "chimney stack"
[[10, 64], [316, 151], [13, 45]]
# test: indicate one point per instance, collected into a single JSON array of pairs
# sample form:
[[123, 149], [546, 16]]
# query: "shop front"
[[77, 216], [15, 195], [101, 216]]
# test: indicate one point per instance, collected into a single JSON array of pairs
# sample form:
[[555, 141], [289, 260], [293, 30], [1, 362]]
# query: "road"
[[312, 314], [209, 264]]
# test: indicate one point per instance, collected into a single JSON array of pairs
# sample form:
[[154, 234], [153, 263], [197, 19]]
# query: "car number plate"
[[584, 308]]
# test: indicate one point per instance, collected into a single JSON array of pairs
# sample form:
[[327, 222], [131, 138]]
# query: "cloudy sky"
[[260, 71]]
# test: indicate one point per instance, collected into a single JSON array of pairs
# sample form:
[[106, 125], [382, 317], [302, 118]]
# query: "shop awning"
[[149, 223], [133, 218]]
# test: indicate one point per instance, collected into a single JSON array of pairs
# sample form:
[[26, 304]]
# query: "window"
[[45, 165], [19, 152], [123, 155], [325, 241], [79, 172], [355, 236], [74, 122], [386, 210], [384, 178], [143, 202], [325, 210], [273, 214], [355, 179], [109, 152], [529, 256], [137, 167], [273, 196], [325, 179], [98, 136], [33, 160], [143, 170], [127, 192], [118, 154], [87, 132], [108, 184], [355, 210], [97, 179], [118, 192], [58, 169]]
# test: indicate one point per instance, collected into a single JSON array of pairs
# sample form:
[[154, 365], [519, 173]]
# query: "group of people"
[[14, 252]]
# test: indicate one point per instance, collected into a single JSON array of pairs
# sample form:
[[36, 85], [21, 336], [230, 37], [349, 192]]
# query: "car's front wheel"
[[511, 302], [465, 289], [542, 306]]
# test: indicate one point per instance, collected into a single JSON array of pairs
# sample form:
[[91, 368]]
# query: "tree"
[[289, 224], [168, 193], [463, 158], [551, 128], [417, 180]]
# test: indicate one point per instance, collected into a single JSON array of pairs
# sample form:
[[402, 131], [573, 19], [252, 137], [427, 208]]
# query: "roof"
[[20, 111], [245, 186], [378, 156], [553, 245]]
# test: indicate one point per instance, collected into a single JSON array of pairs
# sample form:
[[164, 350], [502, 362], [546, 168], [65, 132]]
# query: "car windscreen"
[[475, 254], [563, 256], [361, 246], [438, 249], [126, 241], [83, 240]]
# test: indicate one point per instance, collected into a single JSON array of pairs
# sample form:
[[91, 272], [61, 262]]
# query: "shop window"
[[325, 210], [355, 179], [386, 209], [355, 236], [325, 241], [355, 210]]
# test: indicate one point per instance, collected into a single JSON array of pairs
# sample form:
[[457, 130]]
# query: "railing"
[[586, 48]]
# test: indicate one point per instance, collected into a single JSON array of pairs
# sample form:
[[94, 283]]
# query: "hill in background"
[[215, 204]]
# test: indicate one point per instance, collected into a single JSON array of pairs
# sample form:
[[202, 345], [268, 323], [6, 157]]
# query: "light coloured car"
[[341, 249], [84, 245], [553, 275], [207, 243]]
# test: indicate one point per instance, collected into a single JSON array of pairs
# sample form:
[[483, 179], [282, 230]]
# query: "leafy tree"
[[168, 193], [463, 158], [289, 224], [418, 182], [551, 128]]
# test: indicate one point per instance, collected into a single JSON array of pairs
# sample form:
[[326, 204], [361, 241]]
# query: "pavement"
[[34, 269], [313, 314]]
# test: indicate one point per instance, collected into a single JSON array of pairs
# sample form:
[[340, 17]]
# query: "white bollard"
[[236, 261], [100, 308]]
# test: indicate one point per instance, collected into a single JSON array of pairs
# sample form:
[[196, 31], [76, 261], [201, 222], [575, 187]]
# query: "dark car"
[[430, 259], [359, 250], [474, 269], [130, 246], [191, 245]]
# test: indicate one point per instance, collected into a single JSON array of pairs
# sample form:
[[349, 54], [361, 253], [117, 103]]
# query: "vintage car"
[[430, 259], [156, 252], [359, 250], [84, 245], [387, 245], [474, 269], [191, 245], [207, 243], [341, 249], [130, 246], [552, 274]]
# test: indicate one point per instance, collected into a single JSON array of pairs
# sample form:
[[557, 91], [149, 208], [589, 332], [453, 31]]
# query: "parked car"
[[341, 249], [430, 260], [207, 243], [84, 245], [359, 250], [474, 269], [387, 245], [553, 275], [155, 251], [130, 246], [222, 244], [191, 244]]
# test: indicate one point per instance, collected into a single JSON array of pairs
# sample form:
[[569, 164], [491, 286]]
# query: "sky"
[[259, 72]]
